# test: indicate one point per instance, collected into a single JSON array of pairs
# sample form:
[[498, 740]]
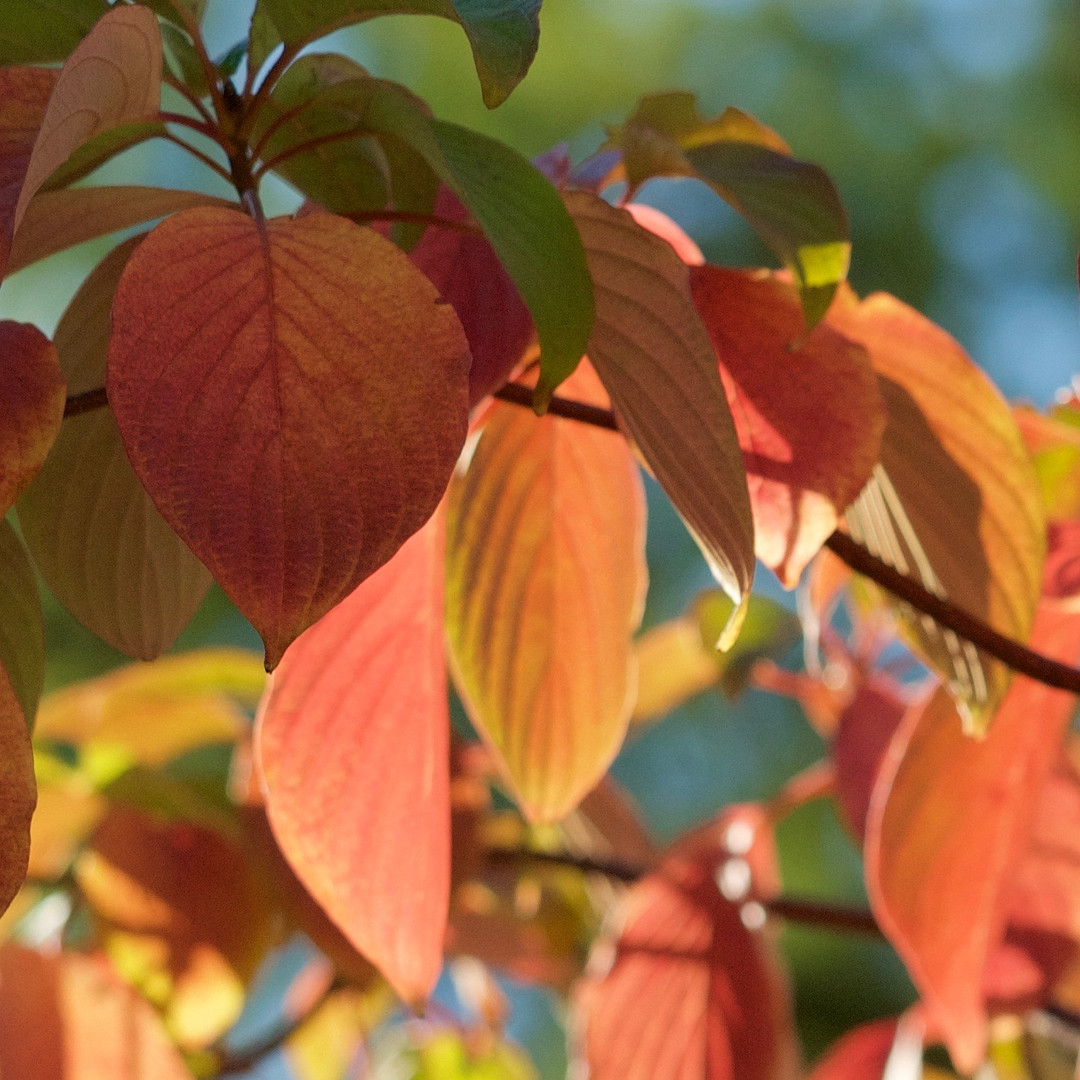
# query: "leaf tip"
[[542, 395], [732, 628]]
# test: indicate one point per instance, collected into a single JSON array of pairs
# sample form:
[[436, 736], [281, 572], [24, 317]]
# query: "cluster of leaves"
[[322, 413]]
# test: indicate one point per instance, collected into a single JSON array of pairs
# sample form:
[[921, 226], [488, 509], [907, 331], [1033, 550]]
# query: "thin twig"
[[86, 402], [188, 95], [208, 161], [1011, 653]]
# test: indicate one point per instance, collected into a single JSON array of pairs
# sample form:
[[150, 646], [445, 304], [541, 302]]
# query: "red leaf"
[[69, 1017], [809, 418], [467, 272], [308, 424], [32, 394], [948, 819], [860, 1055], [353, 746], [692, 994]]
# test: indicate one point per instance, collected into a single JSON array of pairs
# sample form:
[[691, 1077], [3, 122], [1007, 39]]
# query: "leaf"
[[503, 34], [654, 357], [692, 992], [57, 220], [112, 77], [352, 742], [955, 500], [545, 585], [949, 817], [792, 205], [310, 426], [69, 1015], [22, 634], [100, 148], [45, 31], [452, 1055], [328, 1043], [182, 916], [1054, 444], [32, 395], [860, 1055], [18, 792], [102, 548], [809, 416]]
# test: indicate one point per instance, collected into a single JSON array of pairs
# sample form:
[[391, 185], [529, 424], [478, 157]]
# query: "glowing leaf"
[[309, 426], [56, 220], [100, 545], [655, 359], [112, 77], [503, 34], [353, 744], [545, 583], [809, 416], [181, 915], [692, 992], [32, 394], [69, 1015], [949, 817], [955, 501]]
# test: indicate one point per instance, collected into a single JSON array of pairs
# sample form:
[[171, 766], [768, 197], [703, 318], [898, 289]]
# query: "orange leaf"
[[651, 351], [809, 418], [692, 992], [183, 917], [18, 794], [69, 1017], [32, 395], [860, 1055], [24, 96], [309, 424], [949, 817], [112, 77], [659, 224], [352, 741], [101, 546], [955, 500], [545, 583]]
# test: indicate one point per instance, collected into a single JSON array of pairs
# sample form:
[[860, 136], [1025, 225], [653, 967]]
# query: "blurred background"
[[952, 129]]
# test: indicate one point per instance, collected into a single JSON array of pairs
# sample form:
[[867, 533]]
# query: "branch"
[[1011, 653], [85, 402]]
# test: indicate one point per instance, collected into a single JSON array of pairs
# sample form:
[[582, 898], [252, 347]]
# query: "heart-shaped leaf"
[[352, 742], [809, 415], [652, 352], [503, 35], [309, 426], [955, 501], [545, 584], [97, 539]]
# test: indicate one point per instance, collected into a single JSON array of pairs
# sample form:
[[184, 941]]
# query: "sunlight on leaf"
[[655, 359], [99, 543], [352, 742], [248, 435], [545, 585]]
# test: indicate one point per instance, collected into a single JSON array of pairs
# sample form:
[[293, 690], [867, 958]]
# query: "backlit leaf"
[[545, 584], [112, 77], [56, 220], [68, 1015], [101, 546], [181, 915], [860, 1055], [45, 31], [954, 501], [24, 97], [352, 741], [327, 1045], [808, 413], [503, 34], [1054, 444], [655, 359], [32, 394], [792, 205], [309, 426], [692, 992], [949, 818]]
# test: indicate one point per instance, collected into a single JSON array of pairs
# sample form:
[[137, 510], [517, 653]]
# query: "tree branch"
[[1011, 653]]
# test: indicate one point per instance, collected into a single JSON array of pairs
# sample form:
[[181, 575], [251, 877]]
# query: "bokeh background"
[[952, 128]]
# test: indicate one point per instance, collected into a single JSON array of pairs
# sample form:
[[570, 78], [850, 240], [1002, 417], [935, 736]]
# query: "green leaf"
[[45, 31], [94, 153], [173, 9], [793, 205], [183, 59], [22, 633], [504, 34]]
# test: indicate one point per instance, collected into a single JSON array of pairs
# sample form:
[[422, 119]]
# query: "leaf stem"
[[1011, 653], [278, 160], [188, 95], [208, 161]]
